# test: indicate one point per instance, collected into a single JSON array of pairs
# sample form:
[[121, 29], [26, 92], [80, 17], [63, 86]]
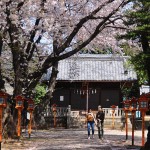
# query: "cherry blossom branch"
[[79, 26]]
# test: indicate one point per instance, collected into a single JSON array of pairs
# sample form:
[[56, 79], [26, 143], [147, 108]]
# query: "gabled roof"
[[95, 67]]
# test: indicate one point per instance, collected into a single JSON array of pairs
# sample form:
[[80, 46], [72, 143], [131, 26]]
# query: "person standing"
[[90, 119], [100, 116]]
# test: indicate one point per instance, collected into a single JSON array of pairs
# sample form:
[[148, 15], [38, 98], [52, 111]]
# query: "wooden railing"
[[118, 112], [64, 111], [108, 112], [60, 112], [74, 117]]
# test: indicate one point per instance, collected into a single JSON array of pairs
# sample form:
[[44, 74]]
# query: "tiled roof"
[[94, 67]]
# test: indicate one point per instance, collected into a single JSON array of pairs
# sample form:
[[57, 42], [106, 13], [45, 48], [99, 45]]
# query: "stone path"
[[73, 139]]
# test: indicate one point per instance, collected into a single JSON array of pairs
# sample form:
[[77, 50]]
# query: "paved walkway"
[[73, 139]]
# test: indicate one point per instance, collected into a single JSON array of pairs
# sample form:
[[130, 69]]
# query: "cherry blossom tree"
[[35, 36]]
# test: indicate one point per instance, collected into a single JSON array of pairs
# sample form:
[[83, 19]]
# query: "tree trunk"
[[9, 129], [9, 126], [46, 100], [146, 50], [52, 81], [2, 82]]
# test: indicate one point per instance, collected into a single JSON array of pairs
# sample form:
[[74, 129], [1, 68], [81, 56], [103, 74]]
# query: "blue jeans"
[[90, 124]]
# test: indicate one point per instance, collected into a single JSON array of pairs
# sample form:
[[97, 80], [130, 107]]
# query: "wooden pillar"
[[143, 128], [126, 121], [133, 126], [30, 124], [87, 99], [1, 109], [113, 119], [69, 116], [19, 122], [70, 90], [54, 113], [99, 90]]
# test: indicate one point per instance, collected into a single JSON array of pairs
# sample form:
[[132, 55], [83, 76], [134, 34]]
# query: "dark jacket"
[[100, 115]]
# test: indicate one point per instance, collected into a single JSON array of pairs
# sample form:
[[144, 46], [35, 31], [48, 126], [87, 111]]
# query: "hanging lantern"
[[92, 92], [89, 92], [83, 92]]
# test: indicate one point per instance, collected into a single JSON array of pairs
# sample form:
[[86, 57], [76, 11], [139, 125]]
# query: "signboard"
[[61, 98], [144, 89], [28, 115]]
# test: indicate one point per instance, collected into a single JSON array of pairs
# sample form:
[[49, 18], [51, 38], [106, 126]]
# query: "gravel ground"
[[73, 139]]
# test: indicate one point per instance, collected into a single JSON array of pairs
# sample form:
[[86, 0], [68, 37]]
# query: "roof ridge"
[[99, 57]]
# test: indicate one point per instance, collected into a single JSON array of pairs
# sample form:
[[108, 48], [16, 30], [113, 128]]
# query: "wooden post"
[[113, 115], [143, 107], [87, 98], [133, 126], [126, 121], [143, 128], [30, 109], [68, 116], [126, 105], [54, 109], [19, 123], [54, 119], [3, 103], [30, 124], [19, 105], [113, 119]]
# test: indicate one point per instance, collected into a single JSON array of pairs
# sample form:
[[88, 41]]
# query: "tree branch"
[[98, 29], [80, 24], [34, 31], [52, 59]]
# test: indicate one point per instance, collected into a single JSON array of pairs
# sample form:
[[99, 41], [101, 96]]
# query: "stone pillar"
[[69, 116]]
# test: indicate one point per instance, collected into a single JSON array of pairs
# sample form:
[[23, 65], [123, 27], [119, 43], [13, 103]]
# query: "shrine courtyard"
[[73, 139]]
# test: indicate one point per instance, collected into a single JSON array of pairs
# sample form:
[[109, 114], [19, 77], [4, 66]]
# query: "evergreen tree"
[[138, 20]]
